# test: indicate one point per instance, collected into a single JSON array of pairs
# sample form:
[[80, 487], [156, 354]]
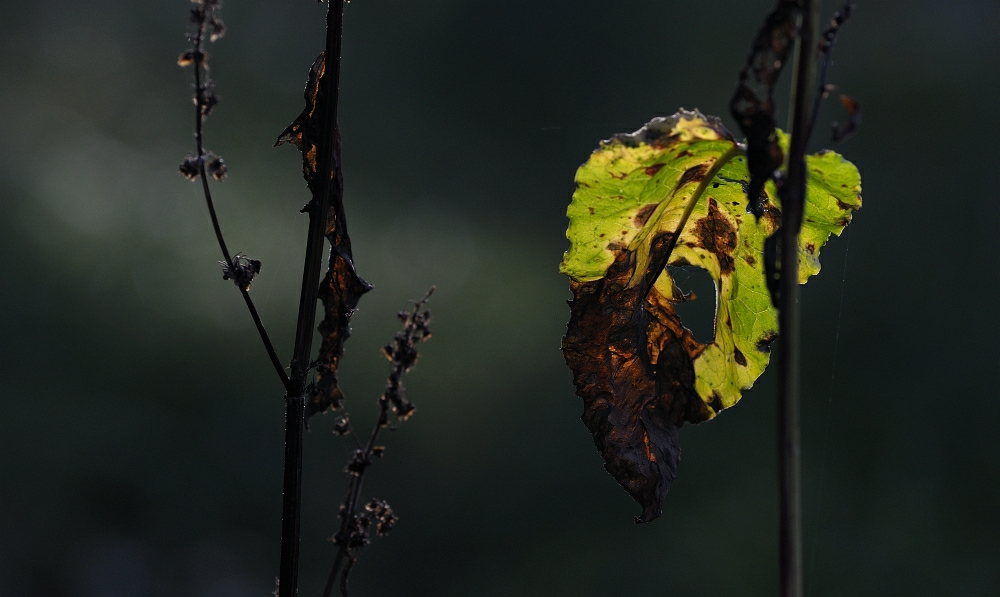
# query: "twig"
[[205, 15], [793, 193], [354, 529], [825, 50], [328, 590]]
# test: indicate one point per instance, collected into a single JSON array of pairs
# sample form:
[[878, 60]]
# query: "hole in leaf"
[[697, 315]]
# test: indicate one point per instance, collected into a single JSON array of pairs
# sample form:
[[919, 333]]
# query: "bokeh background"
[[141, 424]]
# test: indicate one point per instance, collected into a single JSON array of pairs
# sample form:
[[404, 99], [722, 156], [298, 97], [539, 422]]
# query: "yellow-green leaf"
[[674, 192]]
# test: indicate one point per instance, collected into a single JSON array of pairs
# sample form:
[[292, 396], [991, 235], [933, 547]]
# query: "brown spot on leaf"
[[773, 217], [684, 154], [739, 358], [749, 259], [692, 174], [716, 402], [652, 170], [843, 206], [591, 210], [810, 248], [716, 234], [764, 344], [642, 216]]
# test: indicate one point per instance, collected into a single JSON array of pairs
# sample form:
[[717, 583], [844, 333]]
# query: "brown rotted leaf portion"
[[304, 132], [340, 291], [341, 288], [753, 103], [633, 366]]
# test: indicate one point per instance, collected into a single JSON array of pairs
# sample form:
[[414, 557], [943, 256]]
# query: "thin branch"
[[328, 590], [275, 361], [825, 50], [203, 104]]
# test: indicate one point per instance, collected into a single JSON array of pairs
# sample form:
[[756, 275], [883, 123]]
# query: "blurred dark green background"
[[141, 425]]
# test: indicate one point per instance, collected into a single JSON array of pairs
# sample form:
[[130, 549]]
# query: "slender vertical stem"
[[288, 571], [306, 321], [332, 579], [793, 204]]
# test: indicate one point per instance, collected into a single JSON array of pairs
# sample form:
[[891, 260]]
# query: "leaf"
[[339, 291], [675, 192], [304, 132], [342, 287], [753, 103]]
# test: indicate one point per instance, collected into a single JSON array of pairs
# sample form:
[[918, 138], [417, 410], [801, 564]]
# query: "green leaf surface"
[[674, 192]]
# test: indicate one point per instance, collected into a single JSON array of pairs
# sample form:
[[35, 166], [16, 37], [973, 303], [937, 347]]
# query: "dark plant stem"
[[793, 193], [199, 139], [288, 569], [306, 321], [332, 579]]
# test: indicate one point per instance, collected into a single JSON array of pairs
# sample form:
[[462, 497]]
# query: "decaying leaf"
[[341, 287], [340, 291], [753, 103], [675, 192], [304, 132]]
